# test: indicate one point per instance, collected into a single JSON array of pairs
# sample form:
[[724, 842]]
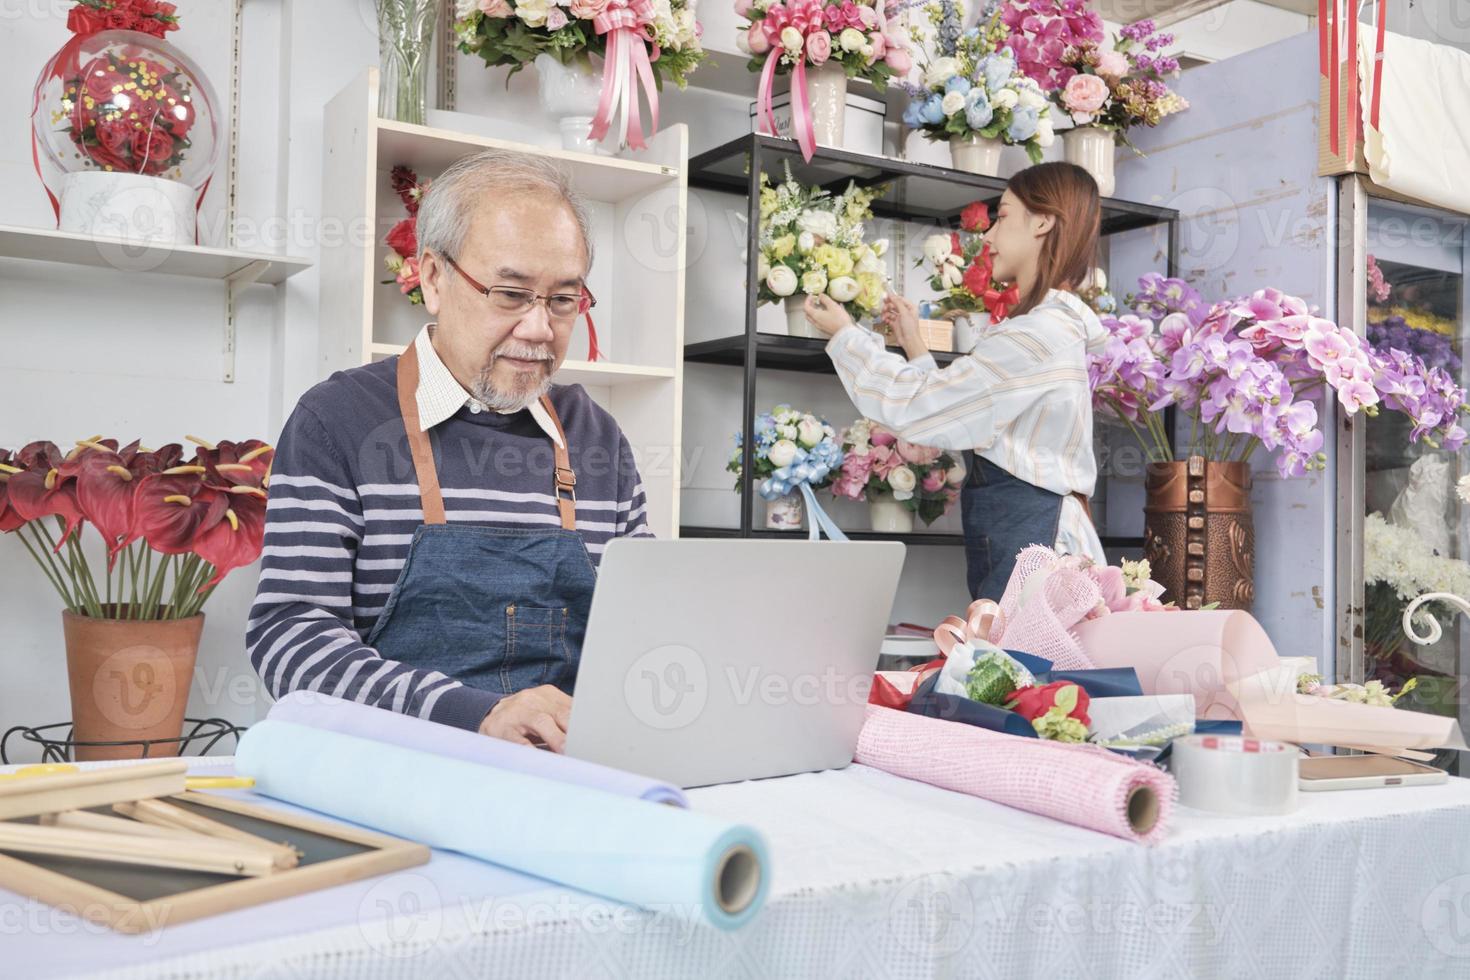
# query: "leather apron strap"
[[431, 497]]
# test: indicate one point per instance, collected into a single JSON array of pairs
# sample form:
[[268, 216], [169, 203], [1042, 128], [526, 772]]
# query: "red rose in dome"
[[179, 113], [403, 239], [975, 217], [100, 81], [114, 136], [152, 149]]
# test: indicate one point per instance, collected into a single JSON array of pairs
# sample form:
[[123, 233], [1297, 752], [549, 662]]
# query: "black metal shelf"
[[911, 192], [915, 191], [777, 352], [911, 537]]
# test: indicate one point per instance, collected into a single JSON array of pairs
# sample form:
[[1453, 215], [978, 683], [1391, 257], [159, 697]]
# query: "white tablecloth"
[[875, 876]]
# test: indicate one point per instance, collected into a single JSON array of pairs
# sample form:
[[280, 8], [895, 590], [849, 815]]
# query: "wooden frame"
[[383, 854]]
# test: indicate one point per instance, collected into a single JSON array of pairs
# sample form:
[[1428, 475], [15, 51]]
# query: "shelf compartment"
[[193, 261], [916, 191], [778, 353], [430, 150]]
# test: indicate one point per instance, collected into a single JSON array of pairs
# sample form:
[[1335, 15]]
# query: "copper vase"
[[1198, 535], [129, 681]]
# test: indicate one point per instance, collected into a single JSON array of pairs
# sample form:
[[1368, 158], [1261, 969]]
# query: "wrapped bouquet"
[[960, 269]]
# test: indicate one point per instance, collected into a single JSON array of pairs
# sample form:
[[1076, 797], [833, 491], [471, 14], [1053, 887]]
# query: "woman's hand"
[[826, 314], [902, 318]]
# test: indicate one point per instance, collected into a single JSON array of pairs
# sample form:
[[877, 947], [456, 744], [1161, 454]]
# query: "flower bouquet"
[[898, 479], [794, 453], [975, 96], [125, 117], [1112, 90], [640, 43], [170, 530], [813, 241], [403, 260], [960, 269], [839, 39]]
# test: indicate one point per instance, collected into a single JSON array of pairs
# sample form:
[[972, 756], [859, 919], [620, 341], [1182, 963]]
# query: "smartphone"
[[1364, 772]]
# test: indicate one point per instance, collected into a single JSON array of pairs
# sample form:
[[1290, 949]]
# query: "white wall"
[[83, 351]]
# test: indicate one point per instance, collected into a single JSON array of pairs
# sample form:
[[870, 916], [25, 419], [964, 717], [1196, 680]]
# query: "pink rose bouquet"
[[877, 463], [638, 42]]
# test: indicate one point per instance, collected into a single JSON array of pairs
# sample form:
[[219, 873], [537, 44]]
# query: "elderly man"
[[435, 518]]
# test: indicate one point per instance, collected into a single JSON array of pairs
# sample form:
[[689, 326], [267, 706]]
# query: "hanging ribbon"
[[626, 64], [1354, 111], [998, 302], [1378, 64], [593, 351], [1334, 72], [820, 521]]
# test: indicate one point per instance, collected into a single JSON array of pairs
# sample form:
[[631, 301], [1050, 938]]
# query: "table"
[[876, 876]]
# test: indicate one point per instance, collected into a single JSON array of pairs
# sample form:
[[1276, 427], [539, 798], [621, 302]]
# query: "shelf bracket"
[[234, 282]]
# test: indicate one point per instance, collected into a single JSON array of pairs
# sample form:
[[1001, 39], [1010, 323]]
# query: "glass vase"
[[405, 37]]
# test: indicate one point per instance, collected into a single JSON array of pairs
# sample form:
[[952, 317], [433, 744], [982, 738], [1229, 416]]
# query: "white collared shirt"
[[440, 395]]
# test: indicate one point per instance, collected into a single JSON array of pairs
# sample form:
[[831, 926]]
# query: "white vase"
[[967, 330], [785, 513], [797, 325], [975, 154], [1091, 149], [826, 90], [570, 94], [138, 209], [889, 516]]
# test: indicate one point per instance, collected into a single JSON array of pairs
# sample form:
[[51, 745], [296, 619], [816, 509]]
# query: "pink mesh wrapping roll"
[[1043, 600], [1085, 785]]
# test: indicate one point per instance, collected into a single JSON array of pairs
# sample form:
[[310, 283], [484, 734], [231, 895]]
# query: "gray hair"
[[444, 213]]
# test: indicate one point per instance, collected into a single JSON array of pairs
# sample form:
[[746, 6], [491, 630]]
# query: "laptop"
[[711, 661]]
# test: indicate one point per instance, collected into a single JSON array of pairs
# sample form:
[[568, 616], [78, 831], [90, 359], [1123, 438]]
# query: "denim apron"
[[1002, 514], [500, 609]]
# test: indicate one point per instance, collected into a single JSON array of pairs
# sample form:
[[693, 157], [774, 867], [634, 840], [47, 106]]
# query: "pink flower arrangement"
[[1122, 87], [876, 462], [1243, 373], [857, 33]]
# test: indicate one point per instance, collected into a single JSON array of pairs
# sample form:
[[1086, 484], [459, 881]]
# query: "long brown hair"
[[1068, 253]]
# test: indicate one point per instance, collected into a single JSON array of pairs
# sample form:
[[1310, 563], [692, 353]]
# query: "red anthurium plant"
[[171, 529]]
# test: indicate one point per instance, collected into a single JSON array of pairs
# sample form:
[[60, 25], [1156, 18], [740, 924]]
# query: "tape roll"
[[1231, 774]]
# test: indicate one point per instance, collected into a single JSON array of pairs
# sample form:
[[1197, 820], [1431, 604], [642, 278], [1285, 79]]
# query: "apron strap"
[[430, 496], [566, 479]]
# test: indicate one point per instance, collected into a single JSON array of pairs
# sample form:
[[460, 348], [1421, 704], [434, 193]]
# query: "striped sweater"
[[344, 504]]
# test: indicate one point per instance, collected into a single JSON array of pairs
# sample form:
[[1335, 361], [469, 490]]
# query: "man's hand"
[[535, 716]]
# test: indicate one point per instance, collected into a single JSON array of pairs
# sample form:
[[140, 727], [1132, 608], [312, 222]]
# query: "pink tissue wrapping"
[[1085, 785], [1044, 599], [1225, 659]]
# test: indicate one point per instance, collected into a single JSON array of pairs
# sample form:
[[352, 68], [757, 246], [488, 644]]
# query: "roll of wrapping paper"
[[365, 721], [658, 857], [1085, 785]]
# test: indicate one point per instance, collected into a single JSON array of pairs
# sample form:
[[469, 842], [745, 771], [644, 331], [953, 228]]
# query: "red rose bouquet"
[[172, 530], [403, 260]]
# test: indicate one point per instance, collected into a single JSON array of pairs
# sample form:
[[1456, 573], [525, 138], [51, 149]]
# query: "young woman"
[[1020, 401]]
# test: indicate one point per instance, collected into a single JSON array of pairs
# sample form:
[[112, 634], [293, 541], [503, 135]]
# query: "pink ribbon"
[[978, 623], [805, 16], [625, 64]]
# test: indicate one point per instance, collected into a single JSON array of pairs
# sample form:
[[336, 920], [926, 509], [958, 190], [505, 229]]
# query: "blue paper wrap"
[[647, 854]]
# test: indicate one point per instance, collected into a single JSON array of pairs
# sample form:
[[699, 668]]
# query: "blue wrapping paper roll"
[[365, 721], [654, 856]]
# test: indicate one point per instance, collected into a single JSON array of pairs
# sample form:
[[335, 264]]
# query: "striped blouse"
[[1020, 399]]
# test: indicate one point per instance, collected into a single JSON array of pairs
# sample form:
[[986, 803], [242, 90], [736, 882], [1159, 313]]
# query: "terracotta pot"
[[129, 680], [1198, 534]]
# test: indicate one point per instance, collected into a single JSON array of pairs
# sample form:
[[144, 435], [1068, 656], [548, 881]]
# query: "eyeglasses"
[[514, 301]]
